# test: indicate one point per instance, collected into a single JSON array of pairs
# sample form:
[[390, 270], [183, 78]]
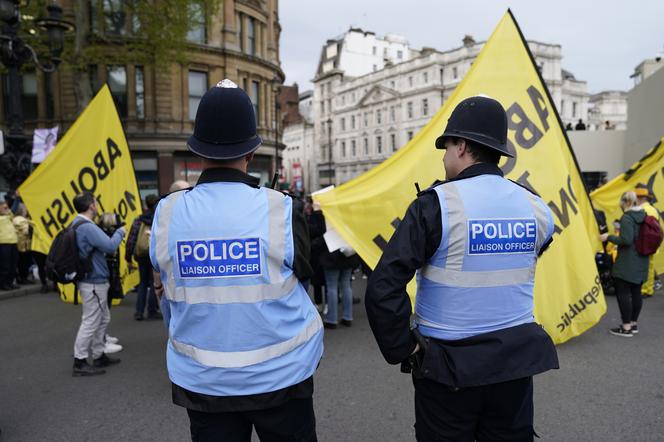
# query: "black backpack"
[[63, 263]]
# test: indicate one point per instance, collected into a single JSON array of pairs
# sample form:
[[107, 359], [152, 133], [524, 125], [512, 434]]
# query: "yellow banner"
[[94, 156], [365, 211], [649, 172]]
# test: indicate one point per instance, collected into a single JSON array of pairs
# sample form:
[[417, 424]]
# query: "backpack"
[[650, 236], [63, 262], [142, 246]]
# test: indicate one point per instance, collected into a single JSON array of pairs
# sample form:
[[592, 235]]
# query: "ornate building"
[[158, 105], [371, 95]]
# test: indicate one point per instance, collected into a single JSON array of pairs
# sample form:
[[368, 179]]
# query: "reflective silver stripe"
[[233, 294], [276, 235], [456, 223], [163, 227], [420, 321], [235, 359], [493, 278], [540, 216]]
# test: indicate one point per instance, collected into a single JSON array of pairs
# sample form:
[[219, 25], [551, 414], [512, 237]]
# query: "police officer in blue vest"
[[473, 242], [244, 338]]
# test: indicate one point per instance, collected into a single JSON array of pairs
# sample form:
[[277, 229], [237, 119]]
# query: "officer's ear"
[[461, 146]]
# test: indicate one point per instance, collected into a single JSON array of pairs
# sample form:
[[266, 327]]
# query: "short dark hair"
[[479, 152], [151, 201], [83, 200]]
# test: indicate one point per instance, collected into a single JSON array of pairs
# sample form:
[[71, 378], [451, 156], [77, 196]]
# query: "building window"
[[393, 142], [425, 106], [197, 87], [366, 119], [352, 122], [29, 96], [379, 144], [441, 75], [379, 116], [392, 84], [455, 72], [374, 49], [93, 78], [240, 31], [322, 106], [115, 17], [117, 83], [366, 146], [392, 114], [573, 109], [140, 92], [410, 81], [426, 77], [251, 36], [343, 149], [410, 135], [343, 100], [353, 148], [343, 124], [375, 68], [255, 97], [399, 55], [196, 33], [409, 109]]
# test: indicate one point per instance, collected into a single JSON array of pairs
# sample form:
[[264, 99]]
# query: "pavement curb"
[[23, 291]]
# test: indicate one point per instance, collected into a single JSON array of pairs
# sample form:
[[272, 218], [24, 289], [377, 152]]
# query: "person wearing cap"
[[473, 241], [244, 339], [643, 199]]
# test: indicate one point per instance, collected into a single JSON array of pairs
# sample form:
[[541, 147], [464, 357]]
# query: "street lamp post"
[[329, 151], [14, 53]]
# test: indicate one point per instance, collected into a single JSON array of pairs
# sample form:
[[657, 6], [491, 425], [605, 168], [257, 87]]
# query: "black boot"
[[105, 361], [82, 368]]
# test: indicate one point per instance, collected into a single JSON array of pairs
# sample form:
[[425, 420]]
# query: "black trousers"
[[629, 300], [292, 421], [8, 264], [40, 260], [497, 412]]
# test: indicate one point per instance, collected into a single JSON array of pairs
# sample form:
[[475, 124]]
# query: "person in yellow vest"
[[8, 250], [643, 199], [23, 233]]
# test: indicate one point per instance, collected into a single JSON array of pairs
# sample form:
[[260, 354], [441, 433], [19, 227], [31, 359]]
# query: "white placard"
[[43, 142]]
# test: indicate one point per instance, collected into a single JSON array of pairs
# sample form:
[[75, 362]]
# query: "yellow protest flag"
[[365, 211], [92, 156], [648, 172]]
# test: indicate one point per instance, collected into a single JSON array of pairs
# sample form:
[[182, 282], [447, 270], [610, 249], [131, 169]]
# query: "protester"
[[631, 268], [23, 234], [138, 248], [569, 127], [475, 345], [580, 125], [244, 338], [93, 245], [109, 223], [338, 268], [8, 249], [643, 200], [316, 223], [38, 242]]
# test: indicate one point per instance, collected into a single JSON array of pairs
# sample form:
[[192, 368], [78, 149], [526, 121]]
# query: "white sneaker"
[[112, 348], [111, 339]]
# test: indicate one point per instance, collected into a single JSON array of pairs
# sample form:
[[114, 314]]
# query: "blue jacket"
[[94, 243], [239, 321]]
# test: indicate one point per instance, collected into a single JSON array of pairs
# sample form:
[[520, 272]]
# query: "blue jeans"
[[145, 289], [335, 280]]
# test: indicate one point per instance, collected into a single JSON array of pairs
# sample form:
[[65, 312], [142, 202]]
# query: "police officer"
[[474, 241], [244, 338]]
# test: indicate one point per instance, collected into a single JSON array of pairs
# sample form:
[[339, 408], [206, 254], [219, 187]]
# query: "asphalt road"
[[608, 388]]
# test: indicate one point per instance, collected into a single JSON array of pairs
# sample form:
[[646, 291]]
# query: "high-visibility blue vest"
[[481, 277], [239, 322]]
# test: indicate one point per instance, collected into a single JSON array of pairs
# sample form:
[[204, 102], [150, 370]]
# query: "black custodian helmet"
[[479, 119], [225, 126]]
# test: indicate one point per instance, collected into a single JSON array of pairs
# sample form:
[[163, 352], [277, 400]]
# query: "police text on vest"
[[492, 236], [219, 258]]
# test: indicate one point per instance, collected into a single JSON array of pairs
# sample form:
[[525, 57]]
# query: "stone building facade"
[[158, 105], [299, 163], [364, 118]]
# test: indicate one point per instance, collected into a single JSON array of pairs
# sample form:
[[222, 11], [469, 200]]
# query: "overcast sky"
[[602, 41]]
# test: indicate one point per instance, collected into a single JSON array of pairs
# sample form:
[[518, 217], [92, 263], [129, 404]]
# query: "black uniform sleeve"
[[388, 306], [301, 265]]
